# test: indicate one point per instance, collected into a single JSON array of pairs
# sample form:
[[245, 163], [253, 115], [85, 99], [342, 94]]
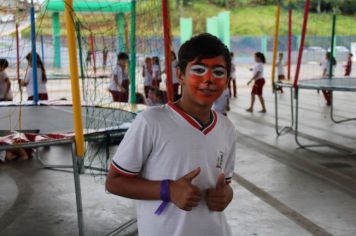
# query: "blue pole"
[[42, 49], [34, 58]]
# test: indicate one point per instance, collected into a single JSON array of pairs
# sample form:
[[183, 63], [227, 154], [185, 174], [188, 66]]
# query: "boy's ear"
[[180, 76]]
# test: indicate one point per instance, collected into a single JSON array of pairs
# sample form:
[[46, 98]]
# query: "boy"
[[119, 84], [154, 97], [178, 159]]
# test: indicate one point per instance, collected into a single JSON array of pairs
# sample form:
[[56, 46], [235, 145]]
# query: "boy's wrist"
[[165, 190]]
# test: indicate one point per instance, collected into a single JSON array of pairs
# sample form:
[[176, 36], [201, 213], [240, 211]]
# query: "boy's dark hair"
[[122, 56], [351, 55], [4, 63], [203, 46], [261, 56], [156, 92]]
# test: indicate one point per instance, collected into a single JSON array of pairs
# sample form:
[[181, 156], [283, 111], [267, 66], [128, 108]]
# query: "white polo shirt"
[[41, 85], [280, 68], [220, 104], [121, 76], [148, 77], [258, 68], [166, 143]]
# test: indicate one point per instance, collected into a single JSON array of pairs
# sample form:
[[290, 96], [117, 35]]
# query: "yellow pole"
[[275, 43], [73, 66]]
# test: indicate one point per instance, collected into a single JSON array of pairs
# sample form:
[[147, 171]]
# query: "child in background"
[[280, 71], [178, 159], [5, 84], [41, 79], [348, 66], [156, 72], [105, 57], [221, 105], [326, 74], [154, 97], [147, 75], [259, 82], [233, 76], [175, 81], [119, 83]]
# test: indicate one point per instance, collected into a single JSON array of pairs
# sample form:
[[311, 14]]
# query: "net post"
[[77, 113], [34, 54], [79, 36], [167, 48], [56, 39], [332, 46], [302, 39], [275, 43], [290, 33], [133, 53]]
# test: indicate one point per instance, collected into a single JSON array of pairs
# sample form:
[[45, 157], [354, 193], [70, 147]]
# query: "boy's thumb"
[[191, 175], [221, 181]]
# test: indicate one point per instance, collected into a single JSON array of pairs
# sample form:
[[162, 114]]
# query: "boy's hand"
[[218, 198], [183, 193]]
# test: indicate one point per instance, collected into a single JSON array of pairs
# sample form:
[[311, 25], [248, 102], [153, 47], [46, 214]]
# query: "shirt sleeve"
[[230, 162], [134, 149]]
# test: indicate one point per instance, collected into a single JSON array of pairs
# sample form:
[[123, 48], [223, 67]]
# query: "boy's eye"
[[219, 72], [198, 70]]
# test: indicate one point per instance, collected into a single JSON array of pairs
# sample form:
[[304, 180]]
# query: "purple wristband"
[[165, 196]]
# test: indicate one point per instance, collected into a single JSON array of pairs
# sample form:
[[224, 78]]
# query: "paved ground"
[[280, 189]]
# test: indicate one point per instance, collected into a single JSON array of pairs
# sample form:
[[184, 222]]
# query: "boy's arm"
[[254, 78], [182, 193]]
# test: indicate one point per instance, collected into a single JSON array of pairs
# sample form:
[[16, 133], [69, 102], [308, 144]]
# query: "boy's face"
[[122, 63], [203, 81]]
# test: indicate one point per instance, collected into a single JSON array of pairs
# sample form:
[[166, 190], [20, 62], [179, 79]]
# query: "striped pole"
[[73, 66], [302, 39], [34, 54], [167, 48], [275, 43]]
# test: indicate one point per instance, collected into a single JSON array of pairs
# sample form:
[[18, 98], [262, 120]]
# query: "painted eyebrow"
[[215, 66]]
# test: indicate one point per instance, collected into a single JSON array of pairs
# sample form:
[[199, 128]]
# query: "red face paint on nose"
[[207, 79]]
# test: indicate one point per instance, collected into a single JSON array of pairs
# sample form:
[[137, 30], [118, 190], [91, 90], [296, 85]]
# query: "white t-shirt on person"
[[221, 103], [156, 72], [3, 84], [233, 71], [148, 77], [41, 85], [121, 76], [280, 68], [165, 143], [258, 68]]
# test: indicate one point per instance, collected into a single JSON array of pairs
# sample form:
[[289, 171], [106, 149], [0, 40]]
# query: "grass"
[[245, 21]]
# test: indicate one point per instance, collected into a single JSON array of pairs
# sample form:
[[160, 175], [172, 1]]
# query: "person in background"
[[222, 104], [105, 57], [5, 84], [41, 79], [233, 77], [348, 66], [156, 72], [280, 71], [147, 75], [259, 82], [119, 83], [329, 59], [154, 97]]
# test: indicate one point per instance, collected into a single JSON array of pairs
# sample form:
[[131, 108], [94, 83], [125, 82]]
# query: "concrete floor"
[[280, 189]]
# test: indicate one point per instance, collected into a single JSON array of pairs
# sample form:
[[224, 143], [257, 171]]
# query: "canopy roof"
[[109, 6]]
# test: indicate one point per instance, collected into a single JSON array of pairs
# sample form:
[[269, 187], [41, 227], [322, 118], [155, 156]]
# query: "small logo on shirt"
[[220, 160]]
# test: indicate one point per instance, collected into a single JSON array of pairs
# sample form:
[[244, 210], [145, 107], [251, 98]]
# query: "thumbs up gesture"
[[183, 193], [218, 198]]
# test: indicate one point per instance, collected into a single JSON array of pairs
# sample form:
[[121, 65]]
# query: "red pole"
[[18, 56], [167, 48], [304, 30], [91, 40], [289, 41]]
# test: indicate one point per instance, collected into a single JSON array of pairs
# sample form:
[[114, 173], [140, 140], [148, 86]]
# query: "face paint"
[[206, 79]]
